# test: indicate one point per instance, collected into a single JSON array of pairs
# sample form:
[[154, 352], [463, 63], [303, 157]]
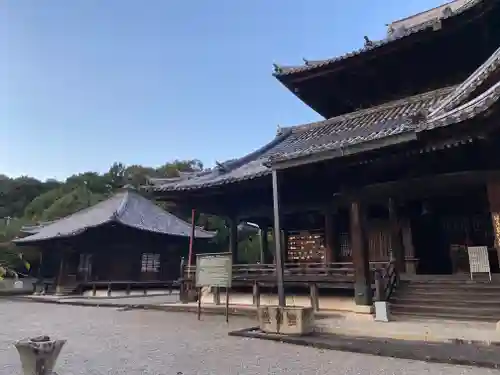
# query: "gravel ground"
[[107, 341]]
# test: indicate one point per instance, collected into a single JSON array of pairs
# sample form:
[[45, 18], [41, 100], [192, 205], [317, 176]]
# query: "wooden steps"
[[456, 299], [65, 290]]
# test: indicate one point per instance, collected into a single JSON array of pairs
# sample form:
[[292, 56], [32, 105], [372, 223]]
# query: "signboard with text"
[[214, 270], [478, 260]]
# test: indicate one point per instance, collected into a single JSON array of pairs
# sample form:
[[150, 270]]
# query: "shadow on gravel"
[[450, 353]]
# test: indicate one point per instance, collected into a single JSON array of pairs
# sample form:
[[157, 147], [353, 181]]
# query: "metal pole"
[[227, 304], [278, 242], [191, 241], [199, 303]]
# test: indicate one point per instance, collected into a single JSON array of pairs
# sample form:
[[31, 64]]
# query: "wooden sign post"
[[214, 270]]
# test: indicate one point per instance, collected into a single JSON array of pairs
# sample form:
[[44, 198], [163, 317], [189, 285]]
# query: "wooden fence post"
[[216, 295], [379, 286], [256, 294], [314, 296]]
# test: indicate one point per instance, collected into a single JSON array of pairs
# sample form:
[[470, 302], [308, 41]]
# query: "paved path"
[[417, 330], [330, 322], [108, 341]]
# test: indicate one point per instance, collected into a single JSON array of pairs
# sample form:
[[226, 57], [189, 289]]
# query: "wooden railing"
[[386, 281], [127, 286], [342, 272]]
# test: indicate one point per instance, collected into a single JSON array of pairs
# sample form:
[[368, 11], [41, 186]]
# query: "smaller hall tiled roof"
[[126, 208]]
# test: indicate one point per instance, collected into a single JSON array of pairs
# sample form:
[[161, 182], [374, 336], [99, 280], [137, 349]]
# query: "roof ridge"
[[469, 85], [468, 109], [236, 163], [389, 105], [284, 70], [448, 3], [122, 207]]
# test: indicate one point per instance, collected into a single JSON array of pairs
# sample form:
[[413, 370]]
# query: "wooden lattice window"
[[345, 245], [150, 262]]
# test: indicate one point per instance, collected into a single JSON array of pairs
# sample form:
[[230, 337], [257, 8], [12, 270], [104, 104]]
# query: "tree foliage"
[[25, 200]]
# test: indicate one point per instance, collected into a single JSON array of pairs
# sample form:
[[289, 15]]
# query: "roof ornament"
[[418, 117], [277, 69], [447, 12], [305, 61], [400, 31], [437, 25], [220, 167], [390, 30], [368, 42], [279, 130]]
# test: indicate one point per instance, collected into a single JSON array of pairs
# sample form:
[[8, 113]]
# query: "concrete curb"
[[14, 292], [419, 337], [168, 308], [458, 353]]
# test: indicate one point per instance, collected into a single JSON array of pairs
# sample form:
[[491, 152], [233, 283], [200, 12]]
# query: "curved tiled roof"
[[464, 90], [281, 71], [353, 128], [453, 105], [406, 116], [126, 208]]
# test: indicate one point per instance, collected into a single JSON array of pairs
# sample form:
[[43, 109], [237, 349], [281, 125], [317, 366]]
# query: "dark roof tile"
[[388, 119], [127, 208]]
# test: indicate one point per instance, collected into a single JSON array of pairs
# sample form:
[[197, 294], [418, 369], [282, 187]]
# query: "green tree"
[[34, 210], [76, 200]]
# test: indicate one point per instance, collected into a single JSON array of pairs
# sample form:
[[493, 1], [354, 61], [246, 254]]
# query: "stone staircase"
[[454, 297]]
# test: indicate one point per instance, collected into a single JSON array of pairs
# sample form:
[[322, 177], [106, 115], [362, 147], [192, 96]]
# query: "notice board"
[[214, 270]]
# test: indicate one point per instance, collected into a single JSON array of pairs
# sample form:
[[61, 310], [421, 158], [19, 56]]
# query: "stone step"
[[407, 299], [490, 312], [442, 315], [452, 286], [449, 294]]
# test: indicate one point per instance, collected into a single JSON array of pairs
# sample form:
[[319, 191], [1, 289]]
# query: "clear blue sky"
[[84, 83]]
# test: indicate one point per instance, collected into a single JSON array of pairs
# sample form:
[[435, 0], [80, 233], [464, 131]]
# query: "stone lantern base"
[[288, 320], [39, 354]]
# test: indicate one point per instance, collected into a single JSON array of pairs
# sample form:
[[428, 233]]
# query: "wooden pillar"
[[397, 247], [314, 295], [233, 239], [216, 295], [40, 265], [256, 294], [285, 242], [493, 190], [278, 240], [264, 245], [360, 260], [330, 250], [62, 270]]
